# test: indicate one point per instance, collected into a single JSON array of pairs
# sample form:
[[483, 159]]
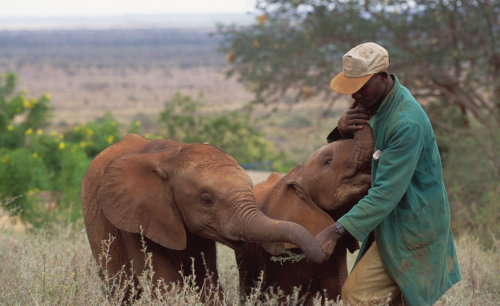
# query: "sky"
[[52, 8]]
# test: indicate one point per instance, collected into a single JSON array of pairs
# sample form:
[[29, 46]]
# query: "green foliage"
[[95, 136], [35, 113], [295, 122], [471, 172], [290, 256], [439, 49], [33, 163], [22, 175], [233, 132]]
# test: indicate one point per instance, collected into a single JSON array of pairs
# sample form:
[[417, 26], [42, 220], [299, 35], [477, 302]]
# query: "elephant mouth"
[[233, 244], [362, 174]]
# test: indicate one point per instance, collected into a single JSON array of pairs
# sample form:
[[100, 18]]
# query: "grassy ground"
[[57, 268]]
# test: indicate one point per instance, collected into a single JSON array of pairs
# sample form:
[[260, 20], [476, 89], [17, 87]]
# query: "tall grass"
[[57, 268]]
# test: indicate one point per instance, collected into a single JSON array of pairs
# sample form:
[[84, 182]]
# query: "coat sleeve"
[[395, 170]]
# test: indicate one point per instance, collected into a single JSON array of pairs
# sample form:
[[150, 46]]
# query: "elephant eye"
[[207, 200]]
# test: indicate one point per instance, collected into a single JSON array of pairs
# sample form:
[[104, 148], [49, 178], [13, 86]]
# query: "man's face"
[[370, 94]]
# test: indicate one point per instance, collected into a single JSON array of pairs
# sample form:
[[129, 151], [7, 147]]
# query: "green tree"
[[442, 50]]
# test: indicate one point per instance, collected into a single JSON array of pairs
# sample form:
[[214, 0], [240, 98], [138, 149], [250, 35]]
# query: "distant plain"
[[134, 72]]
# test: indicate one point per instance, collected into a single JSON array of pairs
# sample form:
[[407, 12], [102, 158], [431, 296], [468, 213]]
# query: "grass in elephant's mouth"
[[57, 268]]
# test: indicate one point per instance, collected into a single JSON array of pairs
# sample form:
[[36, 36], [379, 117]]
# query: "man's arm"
[[349, 122], [396, 167]]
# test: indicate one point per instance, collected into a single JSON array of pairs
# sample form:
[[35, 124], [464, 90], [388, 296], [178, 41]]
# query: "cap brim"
[[348, 86]]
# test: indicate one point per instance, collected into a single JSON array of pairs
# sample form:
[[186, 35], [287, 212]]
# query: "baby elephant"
[[185, 197], [326, 186]]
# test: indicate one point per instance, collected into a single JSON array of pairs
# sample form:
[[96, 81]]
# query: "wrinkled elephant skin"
[[184, 197], [314, 194]]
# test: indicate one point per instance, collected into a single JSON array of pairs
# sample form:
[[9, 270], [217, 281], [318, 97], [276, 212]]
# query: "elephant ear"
[[134, 192]]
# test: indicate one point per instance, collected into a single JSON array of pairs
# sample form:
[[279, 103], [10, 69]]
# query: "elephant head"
[[280, 201], [337, 175], [169, 188]]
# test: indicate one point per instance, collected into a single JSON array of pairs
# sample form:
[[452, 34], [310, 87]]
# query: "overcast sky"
[[48, 8]]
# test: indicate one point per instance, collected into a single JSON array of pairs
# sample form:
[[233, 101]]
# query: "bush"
[[296, 122], [95, 136], [32, 162], [233, 132]]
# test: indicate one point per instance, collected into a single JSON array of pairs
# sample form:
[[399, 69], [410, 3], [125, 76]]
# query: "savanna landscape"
[[65, 95]]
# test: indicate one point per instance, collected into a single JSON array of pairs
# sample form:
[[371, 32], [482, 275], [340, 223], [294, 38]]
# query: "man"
[[404, 221]]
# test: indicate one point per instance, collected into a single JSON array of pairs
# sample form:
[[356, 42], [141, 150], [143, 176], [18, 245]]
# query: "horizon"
[[62, 8], [125, 21]]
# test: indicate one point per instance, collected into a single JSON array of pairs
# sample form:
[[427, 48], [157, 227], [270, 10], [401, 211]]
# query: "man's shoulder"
[[408, 110]]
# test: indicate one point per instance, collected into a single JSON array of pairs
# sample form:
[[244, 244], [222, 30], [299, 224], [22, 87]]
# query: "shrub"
[[233, 132], [95, 136]]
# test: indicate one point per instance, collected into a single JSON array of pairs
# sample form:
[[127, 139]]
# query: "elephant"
[[314, 194], [181, 198]]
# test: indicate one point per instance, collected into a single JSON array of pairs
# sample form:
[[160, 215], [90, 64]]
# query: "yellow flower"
[[34, 101], [147, 135], [39, 132], [77, 128], [47, 96], [61, 145], [110, 138], [61, 136], [138, 123], [30, 192], [5, 159], [24, 91], [262, 18], [27, 104], [37, 190], [35, 155], [53, 133], [28, 131], [90, 132], [82, 144], [10, 127], [230, 57]]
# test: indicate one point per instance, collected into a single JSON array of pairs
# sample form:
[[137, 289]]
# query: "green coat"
[[407, 206]]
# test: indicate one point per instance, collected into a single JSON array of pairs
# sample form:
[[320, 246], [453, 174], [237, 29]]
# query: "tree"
[[446, 52]]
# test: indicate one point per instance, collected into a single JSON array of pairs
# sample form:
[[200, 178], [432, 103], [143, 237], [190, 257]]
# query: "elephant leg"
[[166, 263], [204, 254], [248, 259], [334, 274]]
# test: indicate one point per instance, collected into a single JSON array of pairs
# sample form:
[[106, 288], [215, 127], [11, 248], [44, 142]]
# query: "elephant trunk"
[[363, 148], [257, 227]]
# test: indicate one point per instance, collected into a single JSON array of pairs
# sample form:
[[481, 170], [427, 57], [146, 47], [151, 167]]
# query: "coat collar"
[[389, 99]]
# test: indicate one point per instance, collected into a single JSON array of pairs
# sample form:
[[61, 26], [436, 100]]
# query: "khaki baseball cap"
[[360, 64]]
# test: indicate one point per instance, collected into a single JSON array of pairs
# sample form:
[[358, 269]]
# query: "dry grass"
[[57, 268]]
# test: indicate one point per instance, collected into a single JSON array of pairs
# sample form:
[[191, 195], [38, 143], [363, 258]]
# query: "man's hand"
[[350, 117], [327, 240]]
